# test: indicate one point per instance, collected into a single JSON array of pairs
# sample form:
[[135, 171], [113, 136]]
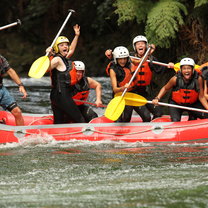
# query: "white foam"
[[42, 138]]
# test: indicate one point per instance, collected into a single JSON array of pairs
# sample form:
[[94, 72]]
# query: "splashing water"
[[42, 138]]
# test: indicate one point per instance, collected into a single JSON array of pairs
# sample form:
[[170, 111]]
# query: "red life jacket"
[[81, 91], [144, 75], [65, 78], [186, 93]]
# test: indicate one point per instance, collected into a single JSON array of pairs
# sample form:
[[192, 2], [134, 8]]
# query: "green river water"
[[102, 174]]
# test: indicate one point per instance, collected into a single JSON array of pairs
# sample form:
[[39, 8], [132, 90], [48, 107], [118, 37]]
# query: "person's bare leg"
[[17, 113]]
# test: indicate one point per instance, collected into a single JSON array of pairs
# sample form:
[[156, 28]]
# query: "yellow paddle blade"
[[177, 67], [115, 108], [133, 99], [39, 67], [196, 67]]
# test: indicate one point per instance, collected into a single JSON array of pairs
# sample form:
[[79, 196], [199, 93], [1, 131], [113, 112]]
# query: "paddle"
[[138, 100], [131, 98], [11, 25], [82, 101], [176, 66], [41, 65], [117, 104]]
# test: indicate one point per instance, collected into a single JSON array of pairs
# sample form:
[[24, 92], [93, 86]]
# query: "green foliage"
[[35, 10], [199, 3], [162, 19], [103, 12], [132, 9], [163, 22], [99, 20]]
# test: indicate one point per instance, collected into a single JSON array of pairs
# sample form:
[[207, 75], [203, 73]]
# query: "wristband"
[[157, 98], [21, 84]]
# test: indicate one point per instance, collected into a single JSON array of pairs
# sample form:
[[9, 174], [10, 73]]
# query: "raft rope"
[[108, 133], [43, 118], [150, 129]]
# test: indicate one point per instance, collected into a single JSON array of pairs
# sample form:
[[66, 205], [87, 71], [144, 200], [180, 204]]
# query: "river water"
[[51, 174]]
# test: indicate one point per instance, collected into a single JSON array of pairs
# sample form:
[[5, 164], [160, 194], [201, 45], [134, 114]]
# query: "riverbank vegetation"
[[178, 27]]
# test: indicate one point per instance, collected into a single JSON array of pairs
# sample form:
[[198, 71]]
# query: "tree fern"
[[132, 9], [199, 3], [163, 22]]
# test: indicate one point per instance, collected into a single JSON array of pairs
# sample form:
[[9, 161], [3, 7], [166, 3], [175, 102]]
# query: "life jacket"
[[107, 70], [123, 74], [64, 79], [143, 76], [81, 91], [204, 70], [135, 61], [186, 93]]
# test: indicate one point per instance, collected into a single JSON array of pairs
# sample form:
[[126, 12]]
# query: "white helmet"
[[187, 61], [120, 52], [138, 39], [79, 65]]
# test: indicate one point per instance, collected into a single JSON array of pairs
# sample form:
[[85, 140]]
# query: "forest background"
[[179, 28]]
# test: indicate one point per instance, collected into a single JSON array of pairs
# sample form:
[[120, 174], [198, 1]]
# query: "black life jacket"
[[81, 90], [64, 79]]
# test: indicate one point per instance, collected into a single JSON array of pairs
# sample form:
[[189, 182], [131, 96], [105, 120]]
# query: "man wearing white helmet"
[[63, 77], [81, 89], [187, 90]]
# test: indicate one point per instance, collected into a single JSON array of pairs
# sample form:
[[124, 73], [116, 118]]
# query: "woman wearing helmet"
[[63, 77], [144, 86], [120, 71], [81, 89], [187, 90]]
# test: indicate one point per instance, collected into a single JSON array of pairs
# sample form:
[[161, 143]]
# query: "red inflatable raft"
[[160, 131]]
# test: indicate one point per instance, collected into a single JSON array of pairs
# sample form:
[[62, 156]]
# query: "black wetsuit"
[[63, 106]]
